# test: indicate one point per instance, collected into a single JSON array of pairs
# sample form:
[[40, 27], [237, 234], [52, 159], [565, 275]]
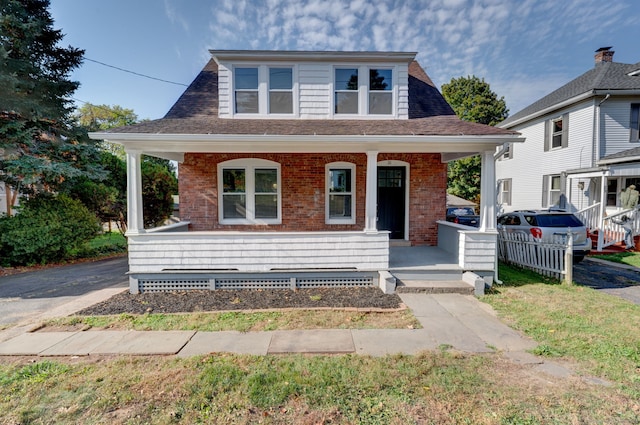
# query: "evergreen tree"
[[472, 100], [40, 147]]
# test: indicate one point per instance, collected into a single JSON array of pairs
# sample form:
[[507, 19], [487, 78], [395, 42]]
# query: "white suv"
[[550, 227]]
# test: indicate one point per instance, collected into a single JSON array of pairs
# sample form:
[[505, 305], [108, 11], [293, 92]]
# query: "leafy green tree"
[[40, 147], [108, 198], [472, 100]]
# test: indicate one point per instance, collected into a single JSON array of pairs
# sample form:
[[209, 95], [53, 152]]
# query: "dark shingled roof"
[[196, 112], [604, 76], [630, 155]]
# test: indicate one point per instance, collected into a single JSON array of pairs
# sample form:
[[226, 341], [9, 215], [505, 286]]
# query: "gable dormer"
[[313, 85]]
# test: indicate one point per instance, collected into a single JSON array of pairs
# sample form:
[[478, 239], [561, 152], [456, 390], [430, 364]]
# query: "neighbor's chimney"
[[604, 54]]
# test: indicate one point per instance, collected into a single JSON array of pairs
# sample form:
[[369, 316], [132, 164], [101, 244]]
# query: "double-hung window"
[[250, 192], [635, 122], [504, 194], [551, 191], [557, 133], [280, 91], [340, 193], [380, 92], [246, 83], [346, 91]]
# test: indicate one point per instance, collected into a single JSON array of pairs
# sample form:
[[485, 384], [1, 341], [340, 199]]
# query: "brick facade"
[[303, 192]]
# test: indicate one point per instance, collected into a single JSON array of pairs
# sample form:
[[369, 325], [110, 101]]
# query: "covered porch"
[[175, 257]]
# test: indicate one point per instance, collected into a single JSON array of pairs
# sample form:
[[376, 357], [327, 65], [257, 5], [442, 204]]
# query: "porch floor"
[[416, 258]]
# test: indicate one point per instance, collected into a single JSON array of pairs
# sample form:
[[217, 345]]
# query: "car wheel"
[[577, 259]]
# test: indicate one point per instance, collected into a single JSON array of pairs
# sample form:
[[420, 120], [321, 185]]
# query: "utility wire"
[[135, 73]]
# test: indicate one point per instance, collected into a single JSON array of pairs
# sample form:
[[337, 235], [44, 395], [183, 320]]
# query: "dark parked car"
[[463, 215], [550, 227]]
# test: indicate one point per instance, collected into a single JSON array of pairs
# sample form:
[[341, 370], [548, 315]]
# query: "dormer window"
[[380, 92], [346, 91], [246, 93], [280, 91]]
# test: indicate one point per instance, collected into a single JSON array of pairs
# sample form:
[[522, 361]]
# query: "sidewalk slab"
[[143, 342], [81, 343], [32, 344], [255, 343], [380, 342], [312, 341], [484, 325]]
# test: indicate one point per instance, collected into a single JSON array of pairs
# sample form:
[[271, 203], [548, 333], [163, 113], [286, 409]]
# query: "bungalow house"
[[306, 168], [582, 148]]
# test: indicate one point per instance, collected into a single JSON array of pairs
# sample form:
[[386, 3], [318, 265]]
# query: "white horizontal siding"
[[614, 132], [314, 82], [257, 252], [403, 92], [224, 91], [477, 250], [529, 162]]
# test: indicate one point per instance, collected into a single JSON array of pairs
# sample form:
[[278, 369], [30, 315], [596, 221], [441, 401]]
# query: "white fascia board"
[[619, 160], [303, 144], [307, 55], [548, 110]]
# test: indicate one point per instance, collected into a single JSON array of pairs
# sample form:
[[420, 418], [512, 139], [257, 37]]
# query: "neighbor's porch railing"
[[613, 232], [590, 216]]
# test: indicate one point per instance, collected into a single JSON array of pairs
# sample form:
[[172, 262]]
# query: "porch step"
[[434, 287], [441, 273]]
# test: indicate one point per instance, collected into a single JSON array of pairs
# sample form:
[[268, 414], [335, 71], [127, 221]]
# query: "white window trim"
[[556, 133], [504, 196], [363, 92], [340, 165], [249, 165], [551, 190], [263, 90]]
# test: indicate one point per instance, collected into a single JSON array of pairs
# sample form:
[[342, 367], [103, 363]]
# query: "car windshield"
[[558, 220]]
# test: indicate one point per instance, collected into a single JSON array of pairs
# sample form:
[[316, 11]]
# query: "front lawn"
[[591, 332]]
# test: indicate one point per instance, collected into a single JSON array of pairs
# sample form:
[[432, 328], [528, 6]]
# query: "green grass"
[[244, 322], [628, 258], [597, 330], [108, 243], [591, 332]]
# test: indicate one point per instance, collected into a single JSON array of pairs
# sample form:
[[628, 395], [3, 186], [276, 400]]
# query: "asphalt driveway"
[[620, 280], [30, 294]]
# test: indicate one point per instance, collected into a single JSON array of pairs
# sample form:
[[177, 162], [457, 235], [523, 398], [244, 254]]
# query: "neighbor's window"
[[340, 193], [246, 90], [635, 122], [554, 191], [504, 195], [612, 192], [380, 91], [346, 91], [250, 192], [280, 91], [556, 134]]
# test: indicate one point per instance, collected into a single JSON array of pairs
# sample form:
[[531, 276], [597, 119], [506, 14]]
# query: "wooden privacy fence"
[[548, 259]]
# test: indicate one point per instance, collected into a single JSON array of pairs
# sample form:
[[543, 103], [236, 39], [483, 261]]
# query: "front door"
[[391, 200]]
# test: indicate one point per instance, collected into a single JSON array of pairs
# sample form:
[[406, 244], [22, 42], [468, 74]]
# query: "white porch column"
[[488, 192], [135, 222], [603, 210], [371, 216]]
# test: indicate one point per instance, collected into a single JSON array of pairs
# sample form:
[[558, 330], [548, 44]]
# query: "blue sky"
[[523, 48]]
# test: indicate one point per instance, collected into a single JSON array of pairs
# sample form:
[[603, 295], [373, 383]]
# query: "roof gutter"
[[619, 160]]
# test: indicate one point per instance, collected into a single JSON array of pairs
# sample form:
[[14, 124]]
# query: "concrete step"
[[434, 274], [434, 287]]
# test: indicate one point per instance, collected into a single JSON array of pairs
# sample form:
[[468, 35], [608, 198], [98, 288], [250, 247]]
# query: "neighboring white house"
[[307, 161], [582, 147]]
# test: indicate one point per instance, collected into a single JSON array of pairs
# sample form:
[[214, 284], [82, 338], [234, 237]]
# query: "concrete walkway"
[[449, 320]]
